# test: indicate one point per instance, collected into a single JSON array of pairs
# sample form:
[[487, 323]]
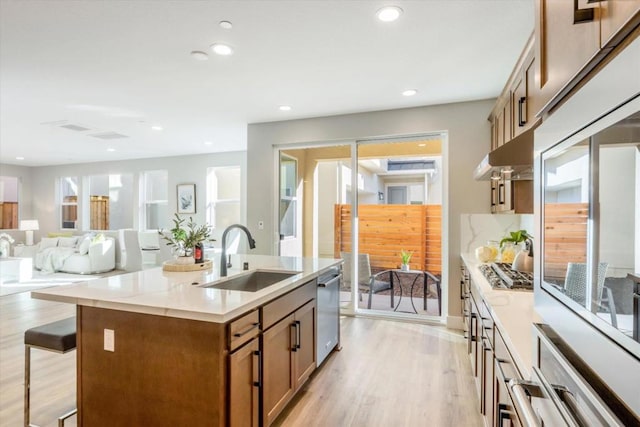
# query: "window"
[[288, 200], [110, 201], [8, 202], [223, 197], [155, 200], [69, 202]]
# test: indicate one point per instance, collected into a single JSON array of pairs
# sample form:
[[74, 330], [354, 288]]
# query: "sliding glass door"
[[341, 201]]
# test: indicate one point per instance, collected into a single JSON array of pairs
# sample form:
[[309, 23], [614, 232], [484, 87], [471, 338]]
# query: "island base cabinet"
[[244, 385], [288, 359], [155, 374]]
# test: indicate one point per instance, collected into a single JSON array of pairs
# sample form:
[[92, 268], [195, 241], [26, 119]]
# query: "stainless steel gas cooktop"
[[500, 275]]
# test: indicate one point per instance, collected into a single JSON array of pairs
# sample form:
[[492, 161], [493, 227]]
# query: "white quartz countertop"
[[513, 314], [174, 294]]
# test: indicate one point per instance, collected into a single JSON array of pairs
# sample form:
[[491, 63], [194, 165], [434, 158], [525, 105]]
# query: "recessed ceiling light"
[[222, 49], [208, 143], [226, 25], [19, 158], [389, 13], [157, 128], [199, 55], [422, 145], [409, 92], [111, 150], [284, 108]]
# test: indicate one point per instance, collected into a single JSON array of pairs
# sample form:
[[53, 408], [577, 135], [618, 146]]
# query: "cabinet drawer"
[[243, 329], [281, 307]]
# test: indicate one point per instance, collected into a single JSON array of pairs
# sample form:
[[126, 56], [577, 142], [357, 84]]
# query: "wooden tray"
[[173, 266]]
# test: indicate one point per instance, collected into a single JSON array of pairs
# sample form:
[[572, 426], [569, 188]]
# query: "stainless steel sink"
[[251, 282]]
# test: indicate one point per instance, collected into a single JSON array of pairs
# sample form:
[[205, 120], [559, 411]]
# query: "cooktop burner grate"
[[500, 275]]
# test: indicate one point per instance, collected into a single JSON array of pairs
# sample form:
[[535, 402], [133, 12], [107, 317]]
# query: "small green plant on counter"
[[516, 237], [405, 256], [184, 239]]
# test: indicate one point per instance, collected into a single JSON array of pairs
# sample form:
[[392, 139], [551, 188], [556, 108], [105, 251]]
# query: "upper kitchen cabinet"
[[514, 110], [614, 17], [572, 37]]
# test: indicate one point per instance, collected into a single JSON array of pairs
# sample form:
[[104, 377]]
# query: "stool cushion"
[[56, 336]]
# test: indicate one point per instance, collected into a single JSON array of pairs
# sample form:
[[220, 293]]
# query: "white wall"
[[182, 169], [468, 141], [327, 196]]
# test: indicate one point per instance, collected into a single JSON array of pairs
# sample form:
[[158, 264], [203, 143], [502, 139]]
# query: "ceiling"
[[121, 67]]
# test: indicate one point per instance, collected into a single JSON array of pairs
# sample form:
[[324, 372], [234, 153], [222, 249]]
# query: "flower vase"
[[404, 267]]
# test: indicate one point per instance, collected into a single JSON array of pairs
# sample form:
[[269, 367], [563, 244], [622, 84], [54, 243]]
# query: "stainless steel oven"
[[587, 219], [561, 391]]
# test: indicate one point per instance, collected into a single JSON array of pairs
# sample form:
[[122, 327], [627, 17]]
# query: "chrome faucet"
[[223, 256]]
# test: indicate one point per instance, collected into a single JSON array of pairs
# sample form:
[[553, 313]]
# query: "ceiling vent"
[[77, 128], [109, 135]]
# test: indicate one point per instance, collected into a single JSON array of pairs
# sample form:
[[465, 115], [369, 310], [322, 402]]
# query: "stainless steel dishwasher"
[[328, 306]]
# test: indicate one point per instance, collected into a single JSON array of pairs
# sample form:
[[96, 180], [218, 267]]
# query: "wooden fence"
[[565, 236], [385, 230]]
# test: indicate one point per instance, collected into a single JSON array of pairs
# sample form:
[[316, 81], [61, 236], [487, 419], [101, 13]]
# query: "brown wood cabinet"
[[571, 41], [169, 371], [615, 15], [244, 385], [288, 359], [244, 370], [491, 361]]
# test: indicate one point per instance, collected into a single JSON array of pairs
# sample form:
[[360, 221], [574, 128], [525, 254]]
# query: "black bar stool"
[[59, 337]]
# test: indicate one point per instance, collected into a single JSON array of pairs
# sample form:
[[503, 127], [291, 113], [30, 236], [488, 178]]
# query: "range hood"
[[511, 161]]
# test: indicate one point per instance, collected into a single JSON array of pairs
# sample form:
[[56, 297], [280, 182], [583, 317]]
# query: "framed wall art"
[[186, 198]]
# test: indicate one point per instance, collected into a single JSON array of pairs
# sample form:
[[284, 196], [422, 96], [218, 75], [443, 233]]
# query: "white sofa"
[[87, 254]]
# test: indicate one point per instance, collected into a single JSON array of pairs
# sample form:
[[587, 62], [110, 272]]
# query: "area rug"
[[41, 281]]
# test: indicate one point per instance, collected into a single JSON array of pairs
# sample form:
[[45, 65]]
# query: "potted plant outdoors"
[[406, 258], [183, 240], [507, 244]]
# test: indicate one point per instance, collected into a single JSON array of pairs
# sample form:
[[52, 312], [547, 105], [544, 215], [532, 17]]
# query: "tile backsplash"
[[476, 229]]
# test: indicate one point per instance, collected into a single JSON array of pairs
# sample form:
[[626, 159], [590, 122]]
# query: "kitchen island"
[[160, 348]]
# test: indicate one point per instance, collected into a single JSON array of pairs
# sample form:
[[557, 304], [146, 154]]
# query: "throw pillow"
[[67, 242], [83, 248], [48, 242], [61, 234], [98, 238]]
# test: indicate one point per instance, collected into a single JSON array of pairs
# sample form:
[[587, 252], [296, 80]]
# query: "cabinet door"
[[563, 48], [519, 104], [277, 362], [244, 382], [305, 342], [474, 337], [614, 15], [488, 378]]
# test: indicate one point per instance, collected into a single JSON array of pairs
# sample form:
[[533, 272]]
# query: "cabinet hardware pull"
[[259, 382], [298, 334], [521, 401], [581, 15], [503, 414], [521, 121], [247, 330], [294, 345]]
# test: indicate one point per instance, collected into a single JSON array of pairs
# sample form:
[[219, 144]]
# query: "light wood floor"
[[388, 374]]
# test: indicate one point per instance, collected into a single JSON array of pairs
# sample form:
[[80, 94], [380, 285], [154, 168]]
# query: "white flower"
[[5, 236]]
